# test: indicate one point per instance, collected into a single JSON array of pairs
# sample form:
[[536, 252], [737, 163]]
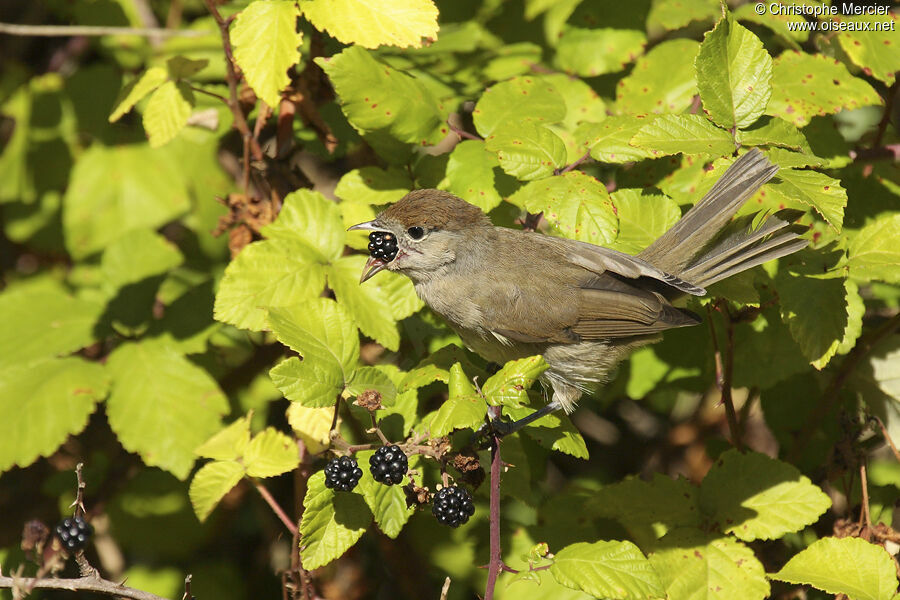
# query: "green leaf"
[[464, 409], [320, 331], [271, 453], [755, 497], [694, 564], [332, 522], [312, 383], [812, 189], [375, 97], [520, 100], [734, 75], [266, 42], [643, 217], [670, 15], [265, 275], [575, 204], [526, 150], [135, 91], [370, 378], [856, 309], [167, 112], [45, 402], [228, 444], [371, 185], [470, 174], [181, 67], [313, 220], [690, 134], [806, 85], [851, 566], [509, 386], [372, 24], [873, 50], [610, 141], [582, 102], [162, 406], [211, 483], [592, 52], [772, 131], [387, 502], [615, 570], [367, 303], [115, 190], [554, 431], [657, 84], [815, 309], [874, 253], [137, 256], [42, 323]]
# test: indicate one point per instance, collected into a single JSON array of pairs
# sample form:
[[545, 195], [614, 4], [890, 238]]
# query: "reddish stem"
[[495, 563], [273, 504]]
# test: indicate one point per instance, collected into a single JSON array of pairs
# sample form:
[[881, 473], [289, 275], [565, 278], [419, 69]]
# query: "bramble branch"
[[93, 30], [79, 584]]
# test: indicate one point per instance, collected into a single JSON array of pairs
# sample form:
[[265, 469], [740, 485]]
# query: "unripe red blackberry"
[[342, 473], [453, 506], [74, 533], [389, 465]]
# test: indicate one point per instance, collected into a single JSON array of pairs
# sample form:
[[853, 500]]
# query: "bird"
[[511, 294]]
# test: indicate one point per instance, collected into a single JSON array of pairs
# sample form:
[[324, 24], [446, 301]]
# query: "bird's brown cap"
[[434, 209]]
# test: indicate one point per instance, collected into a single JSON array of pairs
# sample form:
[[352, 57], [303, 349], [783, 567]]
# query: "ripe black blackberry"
[[382, 245], [342, 473], [389, 465], [453, 506], [74, 533]]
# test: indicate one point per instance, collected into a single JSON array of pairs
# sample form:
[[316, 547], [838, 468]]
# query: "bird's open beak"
[[373, 265]]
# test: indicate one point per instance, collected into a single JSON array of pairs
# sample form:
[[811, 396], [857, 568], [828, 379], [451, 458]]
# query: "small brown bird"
[[511, 294]]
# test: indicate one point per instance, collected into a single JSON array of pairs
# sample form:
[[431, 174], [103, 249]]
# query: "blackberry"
[[382, 245], [388, 465], [453, 506], [74, 533], [342, 473]]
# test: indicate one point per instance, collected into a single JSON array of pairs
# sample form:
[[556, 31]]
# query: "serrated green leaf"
[[270, 453], [554, 431], [45, 402], [371, 378], [400, 294], [851, 566], [311, 383], [366, 303], [422, 376], [874, 252], [464, 409], [669, 15], [582, 102], [755, 497], [470, 174], [42, 323], [228, 444], [135, 91], [772, 131], [387, 502], [734, 74], [610, 141], [167, 112], [509, 386], [694, 564], [332, 522], [266, 42], [690, 134], [265, 275], [873, 50], [776, 20], [527, 151], [815, 310], [856, 308], [181, 67], [211, 483], [320, 331], [371, 185], [643, 217], [657, 84], [353, 213], [312, 425], [375, 97], [519, 100], [806, 85], [161, 405], [141, 254], [371, 24], [311, 219], [575, 204], [615, 570], [592, 52], [812, 189], [115, 190]]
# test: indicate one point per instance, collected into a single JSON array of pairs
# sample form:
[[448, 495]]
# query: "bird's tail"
[[703, 247]]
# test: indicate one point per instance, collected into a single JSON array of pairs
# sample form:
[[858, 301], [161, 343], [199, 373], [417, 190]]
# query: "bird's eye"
[[416, 233]]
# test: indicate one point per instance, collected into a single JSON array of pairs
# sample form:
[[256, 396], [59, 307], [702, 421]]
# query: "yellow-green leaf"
[[372, 23], [135, 91]]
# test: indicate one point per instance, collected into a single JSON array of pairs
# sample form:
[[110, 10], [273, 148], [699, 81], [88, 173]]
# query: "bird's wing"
[[606, 314]]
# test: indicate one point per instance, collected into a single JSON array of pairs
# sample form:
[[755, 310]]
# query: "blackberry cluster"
[[389, 465], [382, 245], [342, 473], [453, 506], [74, 533]]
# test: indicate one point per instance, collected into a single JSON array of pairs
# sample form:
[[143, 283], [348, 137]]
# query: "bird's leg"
[[502, 428]]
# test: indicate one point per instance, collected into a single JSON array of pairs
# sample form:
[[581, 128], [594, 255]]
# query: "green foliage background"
[[184, 348]]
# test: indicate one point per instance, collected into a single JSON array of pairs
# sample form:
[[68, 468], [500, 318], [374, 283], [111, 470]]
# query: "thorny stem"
[[572, 166], [725, 373], [887, 438], [864, 518], [276, 508], [80, 584], [495, 563], [200, 90], [462, 133]]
